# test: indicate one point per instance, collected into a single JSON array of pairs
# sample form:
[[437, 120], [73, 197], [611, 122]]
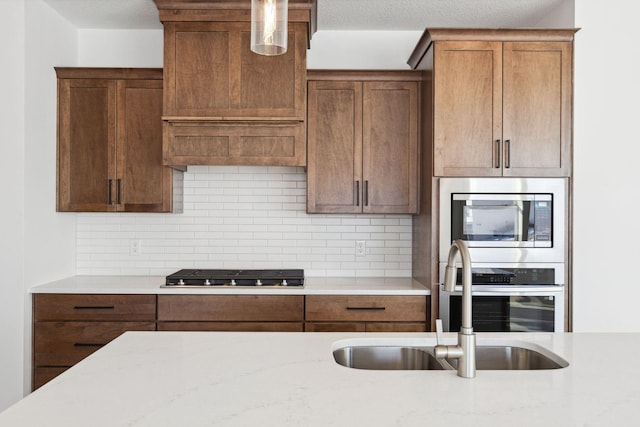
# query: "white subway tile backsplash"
[[244, 217]]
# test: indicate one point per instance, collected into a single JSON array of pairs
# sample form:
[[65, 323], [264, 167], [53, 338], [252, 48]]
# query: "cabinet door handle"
[[366, 193], [94, 307], [367, 308], [118, 184], [358, 193], [507, 149], [498, 153], [88, 344], [110, 185]]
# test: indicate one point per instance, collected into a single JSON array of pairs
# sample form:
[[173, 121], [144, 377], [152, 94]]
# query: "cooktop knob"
[[284, 282], [181, 282], [233, 282], [258, 282], [207, 282]]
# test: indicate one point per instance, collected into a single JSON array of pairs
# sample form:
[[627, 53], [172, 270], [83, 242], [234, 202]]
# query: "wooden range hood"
[[222, 103]]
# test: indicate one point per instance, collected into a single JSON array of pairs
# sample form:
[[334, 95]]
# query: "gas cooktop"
[[199, 278]]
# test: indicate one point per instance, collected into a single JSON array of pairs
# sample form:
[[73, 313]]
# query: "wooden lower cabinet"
[[69, 327], [283, 313], [366, 313]]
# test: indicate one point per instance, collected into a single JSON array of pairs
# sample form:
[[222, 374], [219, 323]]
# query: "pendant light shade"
[[269, 26]]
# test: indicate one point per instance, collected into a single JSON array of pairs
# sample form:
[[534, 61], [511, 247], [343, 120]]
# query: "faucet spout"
[[465, 351]]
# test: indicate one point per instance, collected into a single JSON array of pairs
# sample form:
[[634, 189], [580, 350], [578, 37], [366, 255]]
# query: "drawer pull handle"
[[366, 308], [94, 307], [88, 344]]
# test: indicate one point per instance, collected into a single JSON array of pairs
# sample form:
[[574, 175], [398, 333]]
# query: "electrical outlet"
[[135, 247], [361, 248]]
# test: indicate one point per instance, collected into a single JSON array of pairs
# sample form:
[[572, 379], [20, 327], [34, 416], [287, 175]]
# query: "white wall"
[[37, 244], [49, 237], [12, 143], [120, 48], [362, 50], [607, 195]]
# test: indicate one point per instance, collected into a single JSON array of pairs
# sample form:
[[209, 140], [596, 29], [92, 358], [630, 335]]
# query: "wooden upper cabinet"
[[210, 72], [334, 169], [537, 108], [467, 108], [110, 141], [390, 148], [362, 142], [86, 144], [502, 100]]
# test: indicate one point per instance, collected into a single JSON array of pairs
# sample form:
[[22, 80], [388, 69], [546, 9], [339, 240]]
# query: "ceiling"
[[336, 15]]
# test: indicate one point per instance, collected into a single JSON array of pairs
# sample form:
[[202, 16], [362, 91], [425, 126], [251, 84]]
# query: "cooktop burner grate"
[[207, 277]]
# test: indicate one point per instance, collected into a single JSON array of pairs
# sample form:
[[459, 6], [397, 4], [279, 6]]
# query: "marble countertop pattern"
[[312, 286], [290, 379]]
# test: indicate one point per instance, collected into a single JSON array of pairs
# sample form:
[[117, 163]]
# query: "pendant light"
[[269, 26]]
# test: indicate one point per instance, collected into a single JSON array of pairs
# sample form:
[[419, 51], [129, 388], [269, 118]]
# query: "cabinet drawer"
[[66, 343], [94, 307], [364, 327], [366, 308], [42, 376], [335, 327], [231, 308], [232, 326]]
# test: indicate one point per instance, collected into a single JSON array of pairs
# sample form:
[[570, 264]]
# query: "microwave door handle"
[[507, 154]]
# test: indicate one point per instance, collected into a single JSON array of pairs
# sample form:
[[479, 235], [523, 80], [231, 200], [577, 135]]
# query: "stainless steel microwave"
[[504, 219]]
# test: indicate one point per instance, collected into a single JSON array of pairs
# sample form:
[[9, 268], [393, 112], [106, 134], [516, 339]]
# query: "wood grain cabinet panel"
[[110, 141], [235, 143], [502, 108], [67, 343], [225, 105], [362, 142], [94, 307], [366, 313], [69, 327], [231, 312], [210, 72]]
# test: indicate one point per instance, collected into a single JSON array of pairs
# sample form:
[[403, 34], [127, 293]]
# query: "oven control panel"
[[510, 276]]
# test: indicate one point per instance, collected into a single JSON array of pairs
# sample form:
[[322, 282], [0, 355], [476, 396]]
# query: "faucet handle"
[[439, 337]]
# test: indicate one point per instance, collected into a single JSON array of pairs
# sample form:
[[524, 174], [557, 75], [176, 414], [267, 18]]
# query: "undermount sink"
[[387, 358], [488, 357], [507, 358]]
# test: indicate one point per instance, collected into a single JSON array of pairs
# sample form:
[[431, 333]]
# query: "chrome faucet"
[[465, 351]]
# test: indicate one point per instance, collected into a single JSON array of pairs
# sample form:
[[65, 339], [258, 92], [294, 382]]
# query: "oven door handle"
[[504, 290]]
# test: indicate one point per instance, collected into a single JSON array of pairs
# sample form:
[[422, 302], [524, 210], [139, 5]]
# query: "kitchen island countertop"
[[290, 379], [313, 286]]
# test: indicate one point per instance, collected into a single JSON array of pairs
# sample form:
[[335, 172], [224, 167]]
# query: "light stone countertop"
[[290, 379], [312, 286]]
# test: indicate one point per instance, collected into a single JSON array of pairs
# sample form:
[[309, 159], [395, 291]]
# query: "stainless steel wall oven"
[[515, 229]]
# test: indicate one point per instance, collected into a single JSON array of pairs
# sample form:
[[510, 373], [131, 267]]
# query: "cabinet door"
[[143, 184], [537, 108], [210, 72], [334, 171], [86, 145], [467, 108], [390, 147]]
